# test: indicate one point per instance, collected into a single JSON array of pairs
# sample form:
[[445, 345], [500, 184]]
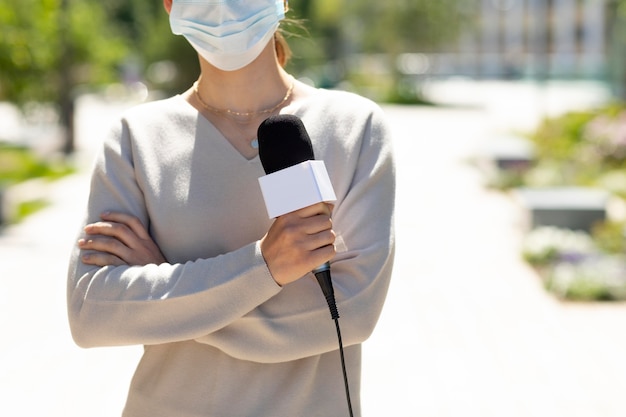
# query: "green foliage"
[[40, 41], [146, 28], [27, 208], [586, 148], [609, 236], [587, 290], [398, 26], [557, 138], [581, 149], [341, 30], [19, 164], [92, 42], [575, 266]]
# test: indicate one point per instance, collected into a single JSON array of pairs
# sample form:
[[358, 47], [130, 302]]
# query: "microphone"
[[283, 142], [294, 179]]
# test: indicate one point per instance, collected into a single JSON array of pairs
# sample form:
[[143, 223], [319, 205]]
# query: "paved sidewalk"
[[467, 329], [43, 372]]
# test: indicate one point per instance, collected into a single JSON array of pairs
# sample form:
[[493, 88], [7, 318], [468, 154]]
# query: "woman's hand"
[[119, 239], [298, 242]]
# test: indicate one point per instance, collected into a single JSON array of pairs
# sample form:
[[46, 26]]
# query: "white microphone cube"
[[296, 187]]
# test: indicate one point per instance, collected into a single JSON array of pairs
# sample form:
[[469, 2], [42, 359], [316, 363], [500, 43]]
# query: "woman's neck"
[[256, 87], [236, 102]]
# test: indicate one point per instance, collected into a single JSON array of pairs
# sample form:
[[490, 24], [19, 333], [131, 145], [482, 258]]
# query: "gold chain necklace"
[[233, 115], [242, 115]]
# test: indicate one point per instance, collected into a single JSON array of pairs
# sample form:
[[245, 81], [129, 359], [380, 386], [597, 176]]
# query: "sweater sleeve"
[[297, 323], [155, 303], [230, 301]]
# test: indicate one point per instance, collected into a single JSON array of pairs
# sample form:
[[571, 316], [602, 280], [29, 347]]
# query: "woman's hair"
[[288, 27], [283, 52]]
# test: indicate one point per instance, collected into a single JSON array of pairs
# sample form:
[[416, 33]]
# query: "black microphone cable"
[[322, 274]]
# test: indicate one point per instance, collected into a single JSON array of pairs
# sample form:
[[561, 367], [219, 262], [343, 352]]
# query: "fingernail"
[[81, 242]]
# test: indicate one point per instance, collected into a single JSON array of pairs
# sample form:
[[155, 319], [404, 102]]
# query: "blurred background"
[[54, 51], [509, 120]]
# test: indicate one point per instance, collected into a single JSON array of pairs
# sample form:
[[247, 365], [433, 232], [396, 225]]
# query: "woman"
[[178, 253]]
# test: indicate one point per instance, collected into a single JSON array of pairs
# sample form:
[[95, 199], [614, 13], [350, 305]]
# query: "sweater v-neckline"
[[223, 139], [214, 133]]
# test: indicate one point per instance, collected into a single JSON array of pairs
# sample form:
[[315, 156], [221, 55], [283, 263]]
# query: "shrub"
[[573, 266], [18, 163]]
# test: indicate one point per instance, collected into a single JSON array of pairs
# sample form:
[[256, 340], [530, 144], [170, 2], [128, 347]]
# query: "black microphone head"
[[283, 142]]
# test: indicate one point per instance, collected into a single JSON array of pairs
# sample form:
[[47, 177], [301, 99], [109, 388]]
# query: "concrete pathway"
[[467, 329]]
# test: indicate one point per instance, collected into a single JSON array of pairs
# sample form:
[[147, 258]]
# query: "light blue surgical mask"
[[229, 34]]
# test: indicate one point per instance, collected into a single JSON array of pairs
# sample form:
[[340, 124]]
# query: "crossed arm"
[[295, 243]]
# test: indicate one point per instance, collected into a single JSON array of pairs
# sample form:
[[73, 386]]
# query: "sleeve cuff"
[[259, 257]]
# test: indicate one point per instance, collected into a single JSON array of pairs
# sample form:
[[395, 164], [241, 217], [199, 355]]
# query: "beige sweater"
[[221, 338]]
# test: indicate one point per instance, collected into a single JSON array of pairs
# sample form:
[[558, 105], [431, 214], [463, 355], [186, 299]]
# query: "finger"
[[323, 254], [320, 240], [313, 210], [114, 230], [132, 222], [101, 259], [317, 224], [105, 244]]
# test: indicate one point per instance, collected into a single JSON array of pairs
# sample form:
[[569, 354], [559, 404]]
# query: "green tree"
[[47, 47], [145, 25], [342, 29], [398, 26]]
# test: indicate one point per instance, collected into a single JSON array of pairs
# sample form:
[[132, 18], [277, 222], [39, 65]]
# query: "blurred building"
[[530, 39]]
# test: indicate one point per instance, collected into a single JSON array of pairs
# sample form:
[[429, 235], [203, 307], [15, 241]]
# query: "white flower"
[[552, 242]]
